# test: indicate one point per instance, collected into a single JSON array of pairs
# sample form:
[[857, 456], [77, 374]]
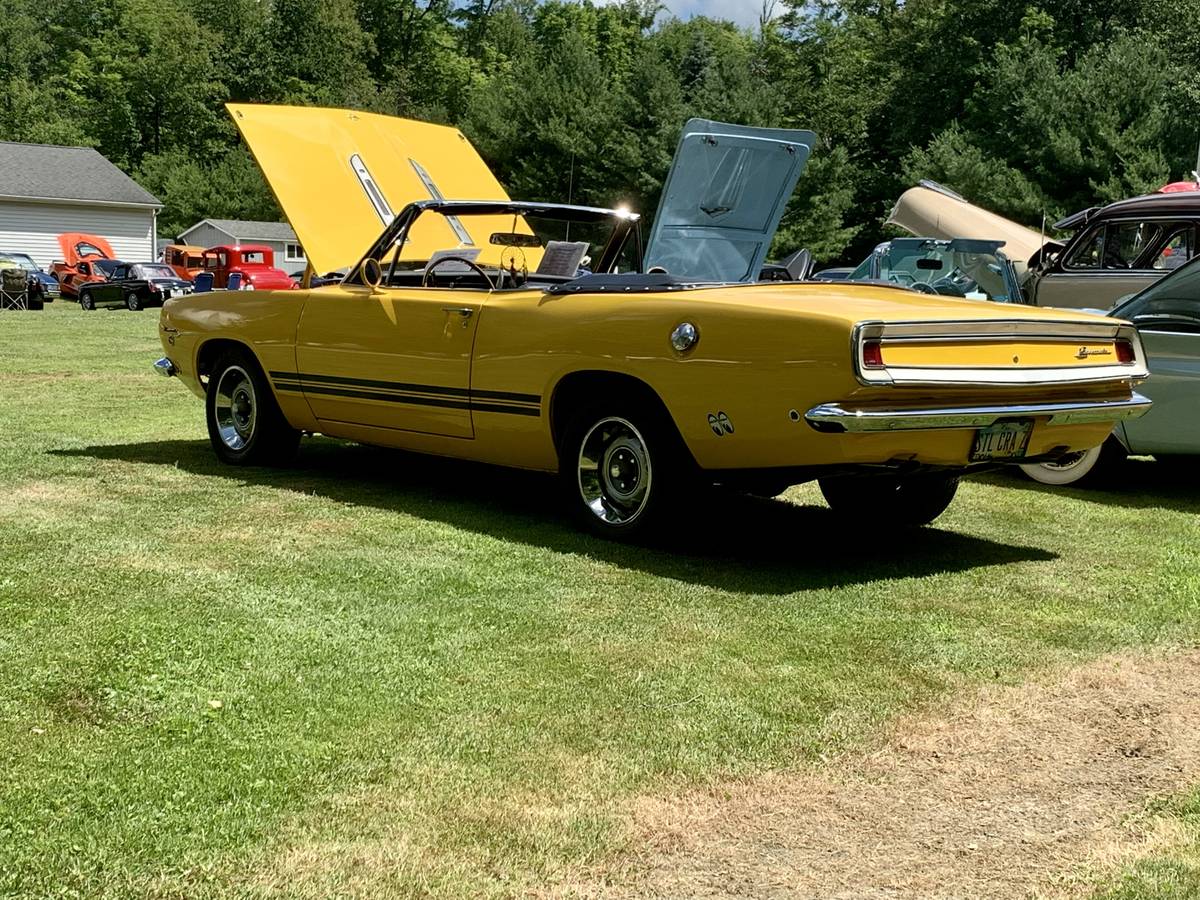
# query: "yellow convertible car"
[[546, 337]]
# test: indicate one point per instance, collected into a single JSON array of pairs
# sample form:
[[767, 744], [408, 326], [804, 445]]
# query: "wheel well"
[[210, 350], [579, 388]]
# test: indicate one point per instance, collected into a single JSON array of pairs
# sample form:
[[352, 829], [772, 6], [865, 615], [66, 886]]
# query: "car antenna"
[[571, 191]]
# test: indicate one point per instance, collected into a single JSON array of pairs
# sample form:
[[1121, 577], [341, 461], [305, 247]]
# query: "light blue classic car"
[[1167, 315]]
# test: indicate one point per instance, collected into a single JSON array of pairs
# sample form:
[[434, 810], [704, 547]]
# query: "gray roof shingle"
[[51, 172], [253, 231]]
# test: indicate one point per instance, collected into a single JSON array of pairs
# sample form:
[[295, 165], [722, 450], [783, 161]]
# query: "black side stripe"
[[395, 392], [307, 377]]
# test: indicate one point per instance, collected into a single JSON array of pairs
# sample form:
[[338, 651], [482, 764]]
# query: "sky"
[[744, 12]]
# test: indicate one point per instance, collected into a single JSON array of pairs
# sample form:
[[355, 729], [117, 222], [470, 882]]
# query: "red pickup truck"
[[253, 264]]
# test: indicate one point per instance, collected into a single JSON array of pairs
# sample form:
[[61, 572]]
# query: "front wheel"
[[619, 468], [85, 300], [132, 301], [245, 425], [896, 500], [1085, 467]]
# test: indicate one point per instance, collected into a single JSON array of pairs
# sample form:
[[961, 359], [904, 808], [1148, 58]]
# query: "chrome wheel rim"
[[235, 407], [614, 471]]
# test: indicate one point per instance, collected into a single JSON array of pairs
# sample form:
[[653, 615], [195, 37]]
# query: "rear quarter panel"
[[766, 355], [752, 363]]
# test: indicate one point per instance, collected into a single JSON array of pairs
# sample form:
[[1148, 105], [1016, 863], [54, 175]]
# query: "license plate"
[[1004, 440]]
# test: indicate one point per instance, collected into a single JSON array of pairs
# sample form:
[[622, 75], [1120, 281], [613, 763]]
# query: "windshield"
[[104, 266], [20, 260], [83, 248], [514, 248], [972, 269], [155, 271]]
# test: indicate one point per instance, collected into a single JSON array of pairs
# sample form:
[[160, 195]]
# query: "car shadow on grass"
[[731, 542], [1138, 483]]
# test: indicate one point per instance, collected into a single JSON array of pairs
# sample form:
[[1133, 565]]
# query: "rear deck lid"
[[341, 176], [723, 199]]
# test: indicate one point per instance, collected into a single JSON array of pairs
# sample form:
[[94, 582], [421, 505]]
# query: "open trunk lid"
[[723, 199]]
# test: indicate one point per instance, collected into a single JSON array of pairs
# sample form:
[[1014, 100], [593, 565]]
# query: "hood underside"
[[929, 210], [77, 246], [341, 176], [724, 198]]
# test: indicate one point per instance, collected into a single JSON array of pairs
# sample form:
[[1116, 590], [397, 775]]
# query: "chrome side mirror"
[[371, 272]]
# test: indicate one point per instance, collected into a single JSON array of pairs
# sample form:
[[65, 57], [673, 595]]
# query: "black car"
[[1119, 249], [132, 285], [42, 287]]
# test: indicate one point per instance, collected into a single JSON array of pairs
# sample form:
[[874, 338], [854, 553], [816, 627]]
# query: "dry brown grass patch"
[[1017, 792]]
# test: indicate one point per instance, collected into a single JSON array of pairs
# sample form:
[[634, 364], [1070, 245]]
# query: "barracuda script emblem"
[[1084, 352]]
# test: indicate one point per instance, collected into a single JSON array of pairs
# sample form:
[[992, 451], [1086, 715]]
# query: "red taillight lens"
[[872, 354], [1125, 351]]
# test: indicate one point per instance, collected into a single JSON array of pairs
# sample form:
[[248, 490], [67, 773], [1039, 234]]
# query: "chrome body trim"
[[990, 329], [165, 367], [833, 417]]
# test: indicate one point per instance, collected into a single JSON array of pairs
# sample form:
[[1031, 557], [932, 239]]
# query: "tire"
[[1089, 467], [621, 467], [908, 501], [85, 300], [245, 425], [132, 301]]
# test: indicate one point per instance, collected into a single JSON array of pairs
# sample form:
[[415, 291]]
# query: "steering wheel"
[[469, 263], [922, 288]]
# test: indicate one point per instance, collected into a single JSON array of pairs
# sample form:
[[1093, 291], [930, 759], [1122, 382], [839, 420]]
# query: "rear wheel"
[[245, 425], [621, 467], [904, 500], [132, 301], [1085, 467], [85, 300]]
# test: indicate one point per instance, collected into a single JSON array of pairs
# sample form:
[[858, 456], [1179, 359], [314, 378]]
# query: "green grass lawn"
[[377, 673]]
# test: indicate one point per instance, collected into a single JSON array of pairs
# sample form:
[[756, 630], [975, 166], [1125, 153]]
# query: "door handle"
[[465, 311]]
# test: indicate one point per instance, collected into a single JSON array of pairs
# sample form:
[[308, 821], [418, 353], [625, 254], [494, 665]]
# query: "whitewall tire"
[[1087, 465]]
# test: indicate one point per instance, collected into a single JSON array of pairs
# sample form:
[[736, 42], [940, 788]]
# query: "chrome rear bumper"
[[165, 367], [833, 417]]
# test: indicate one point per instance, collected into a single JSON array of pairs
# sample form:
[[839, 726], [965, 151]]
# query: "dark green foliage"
[[1028, 108]]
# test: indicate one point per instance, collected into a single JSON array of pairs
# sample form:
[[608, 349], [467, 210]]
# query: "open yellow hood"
[[340, 176]]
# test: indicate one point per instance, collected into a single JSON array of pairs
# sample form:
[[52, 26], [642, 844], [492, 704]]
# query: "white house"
[[46, 190], [289, 255]]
